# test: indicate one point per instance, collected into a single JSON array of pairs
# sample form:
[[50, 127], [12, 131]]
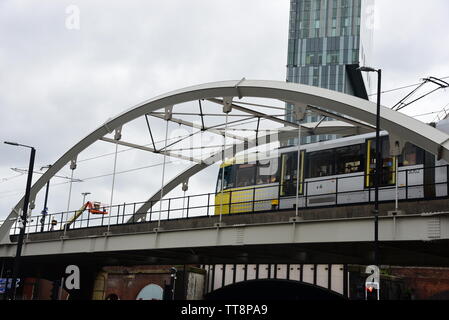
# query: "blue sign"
[[3, 284]]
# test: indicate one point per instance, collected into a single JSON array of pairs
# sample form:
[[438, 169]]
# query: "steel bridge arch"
[[404, 128]]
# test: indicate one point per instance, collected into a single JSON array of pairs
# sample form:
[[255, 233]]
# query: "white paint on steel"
[[163, 173], [113, 186]]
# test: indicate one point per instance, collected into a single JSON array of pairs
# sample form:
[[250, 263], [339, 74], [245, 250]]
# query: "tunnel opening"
[[273, 289]]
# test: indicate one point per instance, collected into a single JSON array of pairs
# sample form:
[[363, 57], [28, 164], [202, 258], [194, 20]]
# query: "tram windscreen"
[[245, 175], [228, 181]]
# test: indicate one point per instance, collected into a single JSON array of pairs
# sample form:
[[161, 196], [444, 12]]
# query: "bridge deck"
[[310, 214], [342, 235]]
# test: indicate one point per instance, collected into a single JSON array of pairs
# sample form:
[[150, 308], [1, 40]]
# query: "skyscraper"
[[328, 41]]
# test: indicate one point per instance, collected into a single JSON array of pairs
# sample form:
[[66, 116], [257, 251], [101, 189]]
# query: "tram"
[[337, 172]]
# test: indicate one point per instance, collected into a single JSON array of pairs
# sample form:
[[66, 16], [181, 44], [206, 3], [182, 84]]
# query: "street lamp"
[[23, 218], [84, 194], [378, 163], [45, 210], [173, 281]]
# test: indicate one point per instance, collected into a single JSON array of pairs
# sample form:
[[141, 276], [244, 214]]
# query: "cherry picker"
[[93, 208]]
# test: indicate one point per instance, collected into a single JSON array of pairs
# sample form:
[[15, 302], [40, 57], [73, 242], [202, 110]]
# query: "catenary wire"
[[404, 87]]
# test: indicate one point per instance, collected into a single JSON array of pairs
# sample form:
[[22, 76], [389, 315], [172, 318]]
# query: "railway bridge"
[[283, 240], [315, 247]]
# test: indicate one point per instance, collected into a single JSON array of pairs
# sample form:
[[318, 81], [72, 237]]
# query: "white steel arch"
[[400, 126]]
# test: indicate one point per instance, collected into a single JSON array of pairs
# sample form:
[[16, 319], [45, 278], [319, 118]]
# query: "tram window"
[[267, 172], [349, 159], [411, 156], [245, 175], [321, 164], [228, 182]]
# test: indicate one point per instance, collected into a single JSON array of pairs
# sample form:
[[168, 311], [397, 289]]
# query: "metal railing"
[[203, 205]]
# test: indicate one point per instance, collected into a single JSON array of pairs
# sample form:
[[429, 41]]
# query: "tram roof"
[[248, 158]]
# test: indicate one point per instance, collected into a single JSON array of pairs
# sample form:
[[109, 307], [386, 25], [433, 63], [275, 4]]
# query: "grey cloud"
[[57, 85]]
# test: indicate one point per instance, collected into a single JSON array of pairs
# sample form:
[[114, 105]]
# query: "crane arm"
[[77, 214]]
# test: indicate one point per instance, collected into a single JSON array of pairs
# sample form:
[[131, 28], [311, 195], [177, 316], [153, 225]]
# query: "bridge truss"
[[242, 117]]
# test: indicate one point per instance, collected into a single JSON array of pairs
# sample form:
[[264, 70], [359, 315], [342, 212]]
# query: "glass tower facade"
[[328, 41]]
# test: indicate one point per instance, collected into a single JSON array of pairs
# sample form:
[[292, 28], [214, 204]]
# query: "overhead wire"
[[104, 175], [18, 191], [128, 149], [146, 145], [160, 164], [131, 170], [444, 109], [425, 114], [246, 121], [401, 88], [2, 180], [93, 177]]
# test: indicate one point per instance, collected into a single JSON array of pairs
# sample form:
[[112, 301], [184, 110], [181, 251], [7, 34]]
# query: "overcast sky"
[[59, 82]]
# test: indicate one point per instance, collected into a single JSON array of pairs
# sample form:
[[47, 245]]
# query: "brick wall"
[[424, 283]]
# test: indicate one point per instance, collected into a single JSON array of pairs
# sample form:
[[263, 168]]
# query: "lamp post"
[[378, 163], [23, 218], [45, 210], [84, 194], [173, 282]]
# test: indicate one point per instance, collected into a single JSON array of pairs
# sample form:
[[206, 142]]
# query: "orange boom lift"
[[93, 208]]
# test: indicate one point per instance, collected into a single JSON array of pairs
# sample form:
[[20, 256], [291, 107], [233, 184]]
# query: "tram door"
[[289, 168], [388, 166]]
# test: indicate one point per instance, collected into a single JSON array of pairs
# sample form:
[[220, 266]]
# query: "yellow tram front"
[[247, 187]]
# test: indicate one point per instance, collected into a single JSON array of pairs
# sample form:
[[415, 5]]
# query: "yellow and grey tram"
[[331, 173]]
